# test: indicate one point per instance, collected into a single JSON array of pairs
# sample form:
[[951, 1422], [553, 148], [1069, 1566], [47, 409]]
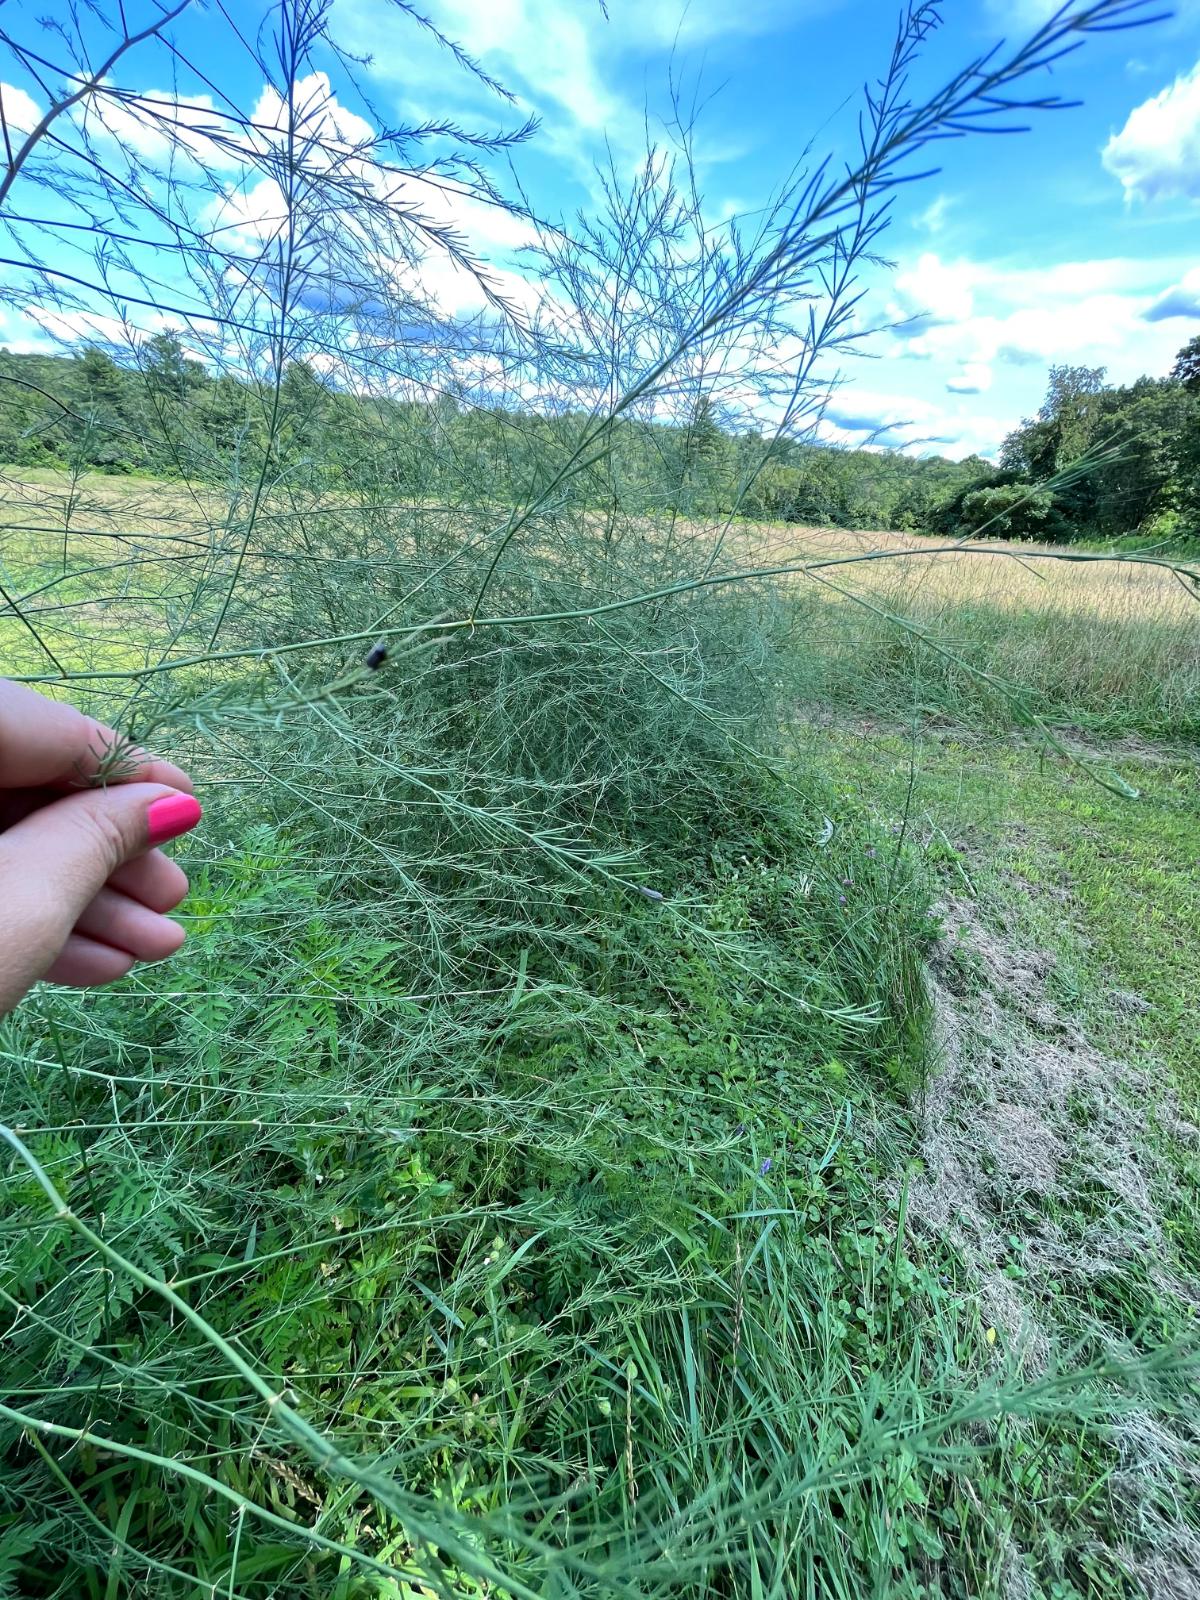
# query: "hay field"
[[1012, 577], [117, 573]]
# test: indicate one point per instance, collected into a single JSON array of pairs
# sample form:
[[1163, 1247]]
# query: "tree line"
[[1097, 461]]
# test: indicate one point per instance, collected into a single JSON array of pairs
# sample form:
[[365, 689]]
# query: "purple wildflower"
[[765, 1168]]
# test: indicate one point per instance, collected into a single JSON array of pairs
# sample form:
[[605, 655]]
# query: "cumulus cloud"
[[95, 327], [1014, 356], [868, 419], [1156, 155], [1087, 312], [544, 44], [342, 264], [867, 414], [1011, 324], [21, 333], [158, 124], [975, 378], [1182, 299], [246, 215], [322, 123], [932, 294], [21, 112]]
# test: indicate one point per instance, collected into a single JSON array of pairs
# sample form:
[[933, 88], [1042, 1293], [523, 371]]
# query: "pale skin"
[[84, 896]]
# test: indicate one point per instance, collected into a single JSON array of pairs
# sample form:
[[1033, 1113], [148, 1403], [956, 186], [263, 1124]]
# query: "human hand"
[[83, 891]]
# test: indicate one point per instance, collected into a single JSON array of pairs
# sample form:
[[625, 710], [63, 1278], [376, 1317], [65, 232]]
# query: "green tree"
[[1187, 366], [705, 463], [1151, 424], [304, 411], [1150, 421], [1011, 511], [229, 416], [110, 427], [168, 371], [99, 380]]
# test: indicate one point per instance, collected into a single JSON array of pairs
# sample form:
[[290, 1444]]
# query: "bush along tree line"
[[1137, 446], [155, 410]]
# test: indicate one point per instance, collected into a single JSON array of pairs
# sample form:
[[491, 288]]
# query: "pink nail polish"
[[172, 815]]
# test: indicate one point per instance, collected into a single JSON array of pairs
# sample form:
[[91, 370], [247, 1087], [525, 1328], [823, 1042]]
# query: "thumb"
[[56, 860]]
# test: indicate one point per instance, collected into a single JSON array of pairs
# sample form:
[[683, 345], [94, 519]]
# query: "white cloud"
[[78, 327], [974, 378], [1098, 327], [441, 207], [21, 112], [21, 333], [933, 218], [932, 293], [561, 58], [157, 124], [327, 131], [409, 253], [966, 434], [859, 409], [1156, 155], [863, 418], [1182, 299], [1093, 313], [246, 215], [995, 329], [543, 43]]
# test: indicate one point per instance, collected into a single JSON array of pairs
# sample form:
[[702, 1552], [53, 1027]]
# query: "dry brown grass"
[[106, 567], [1010, 577], [38, 510]]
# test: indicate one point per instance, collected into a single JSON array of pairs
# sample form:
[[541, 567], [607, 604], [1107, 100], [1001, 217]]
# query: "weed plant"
[[506, 1192]]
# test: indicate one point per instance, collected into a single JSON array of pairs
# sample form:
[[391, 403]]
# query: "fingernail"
[[172, 815]]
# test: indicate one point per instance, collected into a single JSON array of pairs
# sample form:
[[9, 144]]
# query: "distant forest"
[[1098, 461]]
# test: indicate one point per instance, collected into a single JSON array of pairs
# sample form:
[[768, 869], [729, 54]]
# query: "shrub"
[[1011, 511]]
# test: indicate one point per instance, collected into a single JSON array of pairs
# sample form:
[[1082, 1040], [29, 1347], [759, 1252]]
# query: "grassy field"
[[984, 631], [1058, 1143], [992, 632], [802, 1203]]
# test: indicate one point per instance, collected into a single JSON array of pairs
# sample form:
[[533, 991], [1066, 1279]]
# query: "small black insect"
[[376, 656]]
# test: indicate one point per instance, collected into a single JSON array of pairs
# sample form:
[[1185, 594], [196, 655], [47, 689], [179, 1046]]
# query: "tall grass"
[[505, 1194], [1116, 653]]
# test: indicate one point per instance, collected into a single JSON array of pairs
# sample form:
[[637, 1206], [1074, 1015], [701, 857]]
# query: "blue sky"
[[1074, 243], [1048, 247]]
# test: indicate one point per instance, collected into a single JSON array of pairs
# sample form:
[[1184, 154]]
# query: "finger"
[[83, 963], [114, 919], [54, 863], [49, 742], [154, 879]]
